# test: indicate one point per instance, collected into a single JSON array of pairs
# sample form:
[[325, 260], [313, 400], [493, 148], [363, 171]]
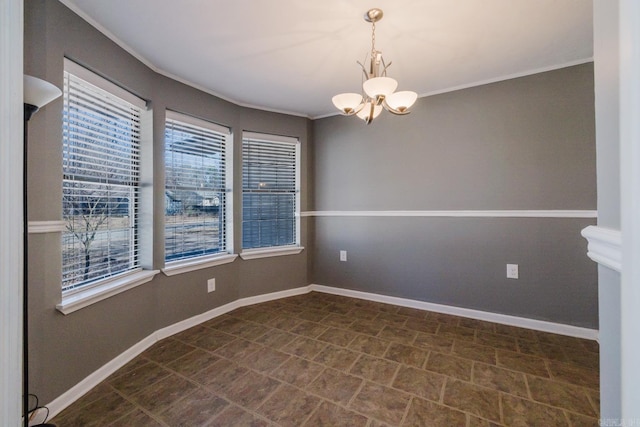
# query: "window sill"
[[184, 266], [269, 252], [92, 295]]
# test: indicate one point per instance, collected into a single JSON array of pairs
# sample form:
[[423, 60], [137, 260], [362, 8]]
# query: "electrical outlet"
[[211, 285], [512, 271], [343, 255]]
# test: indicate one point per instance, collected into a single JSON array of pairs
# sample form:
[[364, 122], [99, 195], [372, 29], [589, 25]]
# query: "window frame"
[[278, 250], [96, 290], [183, 265]]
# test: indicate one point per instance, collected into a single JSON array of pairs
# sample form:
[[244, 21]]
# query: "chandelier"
[[378, 89]]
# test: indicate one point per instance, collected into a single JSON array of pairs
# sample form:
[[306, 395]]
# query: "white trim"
[[269, 252], [37, 227], [184, 266], [11, 196], [504, 319], [84, 298], [629, 45], [462, 214], [605, 246], [77, 391]]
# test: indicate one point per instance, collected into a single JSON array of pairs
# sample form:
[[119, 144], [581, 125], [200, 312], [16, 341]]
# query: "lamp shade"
[[401, 101], [347, 103], [380, 86], [38, 92], [366, 115]]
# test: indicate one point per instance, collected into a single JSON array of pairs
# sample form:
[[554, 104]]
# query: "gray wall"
[[65, 349], [521, 144]]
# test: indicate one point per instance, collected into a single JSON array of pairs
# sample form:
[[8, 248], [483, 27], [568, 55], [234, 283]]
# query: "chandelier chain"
[[373, 39]]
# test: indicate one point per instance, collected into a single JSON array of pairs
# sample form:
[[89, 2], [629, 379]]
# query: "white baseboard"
[[84, 386], [538, 325]]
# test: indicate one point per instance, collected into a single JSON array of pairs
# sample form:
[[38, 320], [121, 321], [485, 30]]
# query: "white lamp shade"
[[366, 111], [347, 103], [380, 86], [401, 101], [38, 92]]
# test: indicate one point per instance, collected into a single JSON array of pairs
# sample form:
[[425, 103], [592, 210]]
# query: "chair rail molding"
[[605, 246]]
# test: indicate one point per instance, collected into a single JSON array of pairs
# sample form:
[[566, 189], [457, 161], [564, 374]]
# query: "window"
[[101, 178], [270, 191], [197, 194]]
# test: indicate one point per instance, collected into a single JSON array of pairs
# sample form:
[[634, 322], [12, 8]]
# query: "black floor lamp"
[[37, 94]]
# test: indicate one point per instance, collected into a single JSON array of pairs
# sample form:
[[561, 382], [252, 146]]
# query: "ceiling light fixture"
[[378, 89]]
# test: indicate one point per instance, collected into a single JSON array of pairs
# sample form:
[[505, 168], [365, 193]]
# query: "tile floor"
[[326, 360]]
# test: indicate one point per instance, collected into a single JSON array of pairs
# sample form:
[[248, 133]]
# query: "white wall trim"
[[185, 266], [80, 389], [11, 230], [36, 227], [521, 322], [462, 214], [605, 246], [248, 254]]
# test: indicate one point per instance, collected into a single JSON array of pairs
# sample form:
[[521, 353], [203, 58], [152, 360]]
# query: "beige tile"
[[516, 332], [443, 318], [238, 349], [391, 319], [578, 420], [340, 337], [561, 395], [335, 386], [363, 314], [213, 340], [405, 354], [548, 351], [522, 363], [498, 341], [573, 374], [438, 343], [309, 329], [251, 389], [195, 409], [192, 363], [284, 322], [473, 399], [480, 325], [164, 393], [401, 335], [423, 413], [331, 415], [265, 360], [524, 413], [304, 347], [374, 369], [297, 371], [137, 379], [289, 406], [275, 338], [365, 326], [236, 416], [369, 345], [582, 358], [500, 379], [336, 357], [413, 312], [452, 366], [251, 331], [427, 385], [96, 414], [381, 402], [477, 352], [422, 325], [219, 375], [337, 320], [136, 418], [457, 332], [167, 350]]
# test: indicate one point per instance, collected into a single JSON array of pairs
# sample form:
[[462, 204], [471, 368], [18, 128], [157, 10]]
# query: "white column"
[[11, 131], [630, 207]]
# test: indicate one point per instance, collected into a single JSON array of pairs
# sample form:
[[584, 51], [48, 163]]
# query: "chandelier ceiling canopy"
[[378, 90]]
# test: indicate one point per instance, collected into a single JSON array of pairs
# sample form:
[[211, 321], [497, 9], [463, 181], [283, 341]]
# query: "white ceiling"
[[294, 55]]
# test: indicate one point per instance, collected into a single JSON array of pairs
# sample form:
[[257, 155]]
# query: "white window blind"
[[100, 154], [270, 207], [196, 190]]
